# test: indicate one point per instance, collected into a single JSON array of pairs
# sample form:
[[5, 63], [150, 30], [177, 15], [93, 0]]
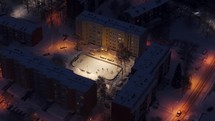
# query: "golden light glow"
[[59, 46], [3, 103], [194, 80], [209, 60]]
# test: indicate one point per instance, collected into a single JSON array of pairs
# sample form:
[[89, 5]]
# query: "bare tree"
[[101, 89], [123, 55], [26, 2]]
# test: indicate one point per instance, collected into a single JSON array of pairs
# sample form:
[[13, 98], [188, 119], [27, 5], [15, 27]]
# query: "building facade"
[[132, 102], [149, 12], [51, 82], [109, 33], [23, 31]]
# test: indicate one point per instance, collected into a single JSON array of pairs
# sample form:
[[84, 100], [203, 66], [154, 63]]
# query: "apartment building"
[[109, 33], [61, 85], [20, 30], [152, 11], [132, 102]]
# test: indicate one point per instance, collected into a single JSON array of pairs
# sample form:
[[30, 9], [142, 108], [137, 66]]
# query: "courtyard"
[[92, 67]]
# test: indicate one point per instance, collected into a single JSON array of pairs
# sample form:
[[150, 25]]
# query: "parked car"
[[178, 113]]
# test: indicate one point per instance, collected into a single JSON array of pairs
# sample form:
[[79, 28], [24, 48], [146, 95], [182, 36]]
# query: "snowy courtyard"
[[91, 67]]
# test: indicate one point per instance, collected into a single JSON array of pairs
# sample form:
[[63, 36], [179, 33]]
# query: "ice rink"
[[91, 67]]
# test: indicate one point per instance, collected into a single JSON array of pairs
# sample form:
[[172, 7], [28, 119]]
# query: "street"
[[196, 93]]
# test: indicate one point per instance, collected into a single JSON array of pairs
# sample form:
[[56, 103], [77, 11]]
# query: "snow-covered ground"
[[53, 43], [91, 67], [209, 102], [169, 99], [194, 33]]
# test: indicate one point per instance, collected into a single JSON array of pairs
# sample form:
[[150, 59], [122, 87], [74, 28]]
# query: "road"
[[196, 92]]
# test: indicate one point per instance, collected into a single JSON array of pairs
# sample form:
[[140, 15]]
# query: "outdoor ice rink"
[[91, 67]]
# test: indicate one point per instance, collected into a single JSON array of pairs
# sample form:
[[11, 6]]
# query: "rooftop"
[[145, 7], [18, 24], [139, 83], [151, 58], [113, 23], [134, 90], [64, 76]]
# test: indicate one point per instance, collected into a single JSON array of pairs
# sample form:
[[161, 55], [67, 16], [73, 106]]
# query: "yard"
[[91, 67]]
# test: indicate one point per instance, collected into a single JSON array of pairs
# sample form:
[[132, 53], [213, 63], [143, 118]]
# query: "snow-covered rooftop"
[[109, 22], [151, 58], [135, 11], [141, 81], [134, 90], [18, 24], [44, 67]]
